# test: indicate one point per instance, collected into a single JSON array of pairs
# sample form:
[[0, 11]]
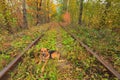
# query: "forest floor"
[[75, 62]]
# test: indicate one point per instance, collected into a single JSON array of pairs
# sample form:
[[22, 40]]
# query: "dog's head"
[[44, 53]]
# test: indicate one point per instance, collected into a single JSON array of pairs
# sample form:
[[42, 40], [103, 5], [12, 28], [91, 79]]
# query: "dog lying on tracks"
[[46, 54]]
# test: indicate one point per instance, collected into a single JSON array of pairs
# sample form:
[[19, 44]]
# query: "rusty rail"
[[9, 66], [95, 54]]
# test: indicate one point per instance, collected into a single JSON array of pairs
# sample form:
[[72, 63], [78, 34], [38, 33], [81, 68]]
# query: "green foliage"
[[17, 43], [60, 11], [7, 20], [51, 71], [74, 11], [3, 60], [68, 5], [49, 41], [32, 70], [104, 41], [67, 41], [82, 64], [97, 15]]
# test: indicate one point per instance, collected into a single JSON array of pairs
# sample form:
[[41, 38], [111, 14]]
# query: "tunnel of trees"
[[16, 15], [75, 28]]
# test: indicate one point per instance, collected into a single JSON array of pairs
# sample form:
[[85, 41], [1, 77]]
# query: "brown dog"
[[46, 54]]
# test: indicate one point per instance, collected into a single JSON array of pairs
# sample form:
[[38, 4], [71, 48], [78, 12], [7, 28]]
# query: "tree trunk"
[[25, 22], [81, 10], [67, 5], [48, 17], [39, 4]]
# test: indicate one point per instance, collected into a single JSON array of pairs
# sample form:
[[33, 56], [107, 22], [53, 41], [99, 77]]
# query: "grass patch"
[[11, 45]]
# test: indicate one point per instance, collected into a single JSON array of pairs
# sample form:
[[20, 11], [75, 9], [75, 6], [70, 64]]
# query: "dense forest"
[[96, 23], [20, 14]]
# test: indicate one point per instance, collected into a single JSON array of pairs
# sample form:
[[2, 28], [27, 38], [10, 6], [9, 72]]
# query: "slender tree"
[[48, 12], [67, 5], [81, 11], [39, 5], [25, 22]]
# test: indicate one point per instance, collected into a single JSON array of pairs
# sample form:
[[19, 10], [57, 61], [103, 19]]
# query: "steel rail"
[[95, 54], [12, 63]]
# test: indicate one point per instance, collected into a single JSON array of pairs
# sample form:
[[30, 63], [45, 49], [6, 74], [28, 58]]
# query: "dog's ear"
[[48, 49], [39, 50]]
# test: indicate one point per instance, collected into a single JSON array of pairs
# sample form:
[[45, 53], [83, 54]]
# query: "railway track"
[[17, 58], [98, 57], [95, 54]]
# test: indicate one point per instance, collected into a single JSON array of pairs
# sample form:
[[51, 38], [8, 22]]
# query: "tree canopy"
[[93, 13]]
